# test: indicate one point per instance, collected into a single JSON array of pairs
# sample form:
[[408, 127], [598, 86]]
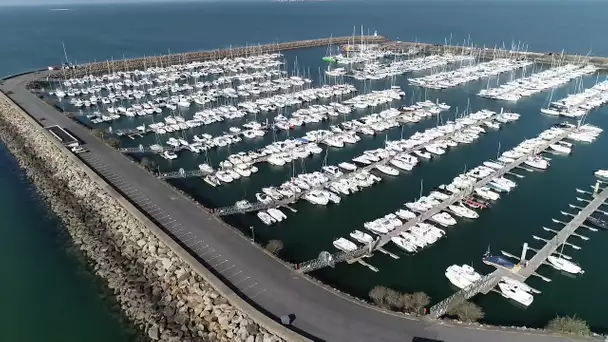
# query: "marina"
[[517, 274], [326, 149]]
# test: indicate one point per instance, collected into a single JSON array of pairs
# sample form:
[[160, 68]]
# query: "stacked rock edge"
[[158, 291]]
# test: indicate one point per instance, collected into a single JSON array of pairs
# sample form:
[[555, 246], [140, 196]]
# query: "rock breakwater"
[[156, 289]]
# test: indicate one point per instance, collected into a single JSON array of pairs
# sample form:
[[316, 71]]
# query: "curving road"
[[277, 290]]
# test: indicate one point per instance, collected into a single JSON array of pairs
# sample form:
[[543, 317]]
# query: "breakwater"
[[162, 295], [489, 52], [171, 59]]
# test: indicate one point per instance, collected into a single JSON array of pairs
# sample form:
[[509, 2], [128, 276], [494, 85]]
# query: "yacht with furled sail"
[[564, 265]]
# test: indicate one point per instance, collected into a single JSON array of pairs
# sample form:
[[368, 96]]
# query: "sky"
[[73, 2], [68, 2]]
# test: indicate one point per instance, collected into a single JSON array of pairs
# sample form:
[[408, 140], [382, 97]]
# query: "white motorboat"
[[403, 244], [212, 180], [391, 171], [205, 168], [331, 170], [361, 237], [518, 283], [264, 217], [564, 265], [224, 176], [344, 245], [456, 277], [439, 195], [537, 162], [400, 164], [469, 273], [348, 166], [560, 148], [276, 214], [405, 214], [601, 174], [169, 155], [422, 154], [333, 197], [434, 149], [375, 227], [263, 198], [362, 160], [514, 292], [317, 197], [418, 206], [444, 219], [486, 193], [463, 211], [493, 165]]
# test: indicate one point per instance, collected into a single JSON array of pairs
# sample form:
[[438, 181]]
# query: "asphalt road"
[[261, 280]]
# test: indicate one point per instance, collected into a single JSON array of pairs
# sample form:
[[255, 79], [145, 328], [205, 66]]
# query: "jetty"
[[315, 264], [525, 268]]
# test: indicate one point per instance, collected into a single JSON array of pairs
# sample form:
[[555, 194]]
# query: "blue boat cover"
[[497, 259]]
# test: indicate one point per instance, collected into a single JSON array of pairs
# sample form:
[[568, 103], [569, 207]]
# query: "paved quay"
[[256, 276]]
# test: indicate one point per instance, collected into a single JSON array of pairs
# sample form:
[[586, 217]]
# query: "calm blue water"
[[46, 277]]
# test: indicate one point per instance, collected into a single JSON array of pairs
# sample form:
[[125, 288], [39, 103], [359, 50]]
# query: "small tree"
[[406, 302], [147, 163], [568, 325], [467, 312], [393, 299], [98, 133], [420, 300], [113, 142], [377, 295], [274, 246]]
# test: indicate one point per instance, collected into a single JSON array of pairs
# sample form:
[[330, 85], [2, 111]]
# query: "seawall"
[[168, 296], [141, 63]]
